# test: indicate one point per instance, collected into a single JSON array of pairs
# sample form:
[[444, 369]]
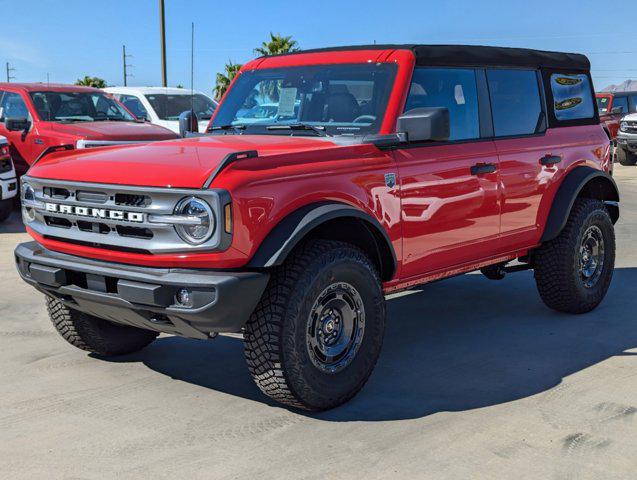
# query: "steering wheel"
[[365, 119]]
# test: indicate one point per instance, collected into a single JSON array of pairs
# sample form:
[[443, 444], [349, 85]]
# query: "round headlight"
[[200, 226], [623, 126], [27, 192]]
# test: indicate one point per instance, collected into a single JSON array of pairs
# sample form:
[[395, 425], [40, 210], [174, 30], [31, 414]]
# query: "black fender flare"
[[293, 228], [595, 183]]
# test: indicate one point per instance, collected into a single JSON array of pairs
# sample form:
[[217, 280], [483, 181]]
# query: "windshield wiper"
[[319, 130], [225, 128]]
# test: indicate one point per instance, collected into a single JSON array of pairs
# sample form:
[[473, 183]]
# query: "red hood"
[[113, 130], [183, 163]]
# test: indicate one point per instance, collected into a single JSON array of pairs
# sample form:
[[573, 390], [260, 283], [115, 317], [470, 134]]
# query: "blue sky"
[[71, 38]]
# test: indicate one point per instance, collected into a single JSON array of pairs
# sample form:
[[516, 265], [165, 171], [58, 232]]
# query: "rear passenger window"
[[572, 97], [619, 102], [632, 103], [515, 102], [451, 88]]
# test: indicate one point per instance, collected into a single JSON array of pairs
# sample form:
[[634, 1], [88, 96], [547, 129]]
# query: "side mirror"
[[617, 110], [188, 123], [424, 124], [17, 124]]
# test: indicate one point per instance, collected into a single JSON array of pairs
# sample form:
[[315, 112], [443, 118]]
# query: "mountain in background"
[[627, 86]]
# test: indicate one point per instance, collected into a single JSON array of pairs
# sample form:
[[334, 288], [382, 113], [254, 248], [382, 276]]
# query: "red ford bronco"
[[381, 168], [39, 119]]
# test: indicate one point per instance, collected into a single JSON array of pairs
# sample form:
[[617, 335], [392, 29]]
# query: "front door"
[[449, 191], [21, 145]]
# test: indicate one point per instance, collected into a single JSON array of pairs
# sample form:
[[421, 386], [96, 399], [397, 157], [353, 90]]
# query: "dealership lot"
[[476, 380]]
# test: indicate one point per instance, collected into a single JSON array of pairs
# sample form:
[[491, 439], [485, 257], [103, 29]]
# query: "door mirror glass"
[[425, 124], [188, 123], [17, 124]]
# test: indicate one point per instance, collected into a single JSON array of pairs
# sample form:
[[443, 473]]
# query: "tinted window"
[[572, 97], [134, 105], [12, 106], [78, 107], [451, 88], [515, 102], [620, 102], [632, 103], [602, 104], [169, 107]]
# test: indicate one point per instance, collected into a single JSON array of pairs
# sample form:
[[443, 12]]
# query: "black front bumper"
[[141, 296]]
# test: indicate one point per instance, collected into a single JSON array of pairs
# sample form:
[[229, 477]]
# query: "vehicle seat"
[[342, 105]]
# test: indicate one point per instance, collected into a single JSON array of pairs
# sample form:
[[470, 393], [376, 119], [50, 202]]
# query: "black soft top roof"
[[472, 55]]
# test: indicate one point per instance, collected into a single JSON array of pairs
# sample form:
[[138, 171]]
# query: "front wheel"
[[624, 157], [574, 270], [315, 337]]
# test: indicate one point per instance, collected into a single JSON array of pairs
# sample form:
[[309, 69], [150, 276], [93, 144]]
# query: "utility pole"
[[126, 65], [162, 37], [9, 70]]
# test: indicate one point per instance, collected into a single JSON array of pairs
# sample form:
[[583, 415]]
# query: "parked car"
[[401, 166], [39, 119], [8, 181], [613, 106], [626, 152], [162, 106]]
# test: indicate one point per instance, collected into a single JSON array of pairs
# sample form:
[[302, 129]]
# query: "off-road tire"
[[557, 262], [96, 335], [624, 157], [275, 339], [6, 207]]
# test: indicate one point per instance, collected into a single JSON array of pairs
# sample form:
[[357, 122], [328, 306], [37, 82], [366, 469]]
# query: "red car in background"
[[38, 119], [613, 106]]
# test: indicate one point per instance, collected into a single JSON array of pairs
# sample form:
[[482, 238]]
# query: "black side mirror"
[[425, 124], [17, 124], [617, 110], [188, 123]]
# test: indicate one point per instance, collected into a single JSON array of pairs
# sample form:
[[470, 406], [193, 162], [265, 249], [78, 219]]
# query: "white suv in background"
[[626, 152], [8, 181], [162, 106]]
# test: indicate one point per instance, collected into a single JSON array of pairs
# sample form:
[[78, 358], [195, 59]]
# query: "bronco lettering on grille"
[[95, 212]]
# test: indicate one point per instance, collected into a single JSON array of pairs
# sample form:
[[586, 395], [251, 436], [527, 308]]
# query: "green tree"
[[225, 79], [277, 45], [95, 82]]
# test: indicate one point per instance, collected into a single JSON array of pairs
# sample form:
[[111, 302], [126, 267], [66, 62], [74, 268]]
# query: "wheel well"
[[362, 234], [601, 188]]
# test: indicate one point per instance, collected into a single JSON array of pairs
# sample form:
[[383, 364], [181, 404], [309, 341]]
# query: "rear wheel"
[[625, 157], [574, 270], [96, 335], [315, 336]]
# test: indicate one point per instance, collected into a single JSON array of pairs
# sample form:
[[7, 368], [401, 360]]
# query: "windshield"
[[169, 107], [602, 104], [342, 99], [78, 107]]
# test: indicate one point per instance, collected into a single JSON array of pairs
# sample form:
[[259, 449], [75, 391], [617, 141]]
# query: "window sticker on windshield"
[[287, 98], [459, 94]]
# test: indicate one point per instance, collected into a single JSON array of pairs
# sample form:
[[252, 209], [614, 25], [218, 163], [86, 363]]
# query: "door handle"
[[550, 160], [482, 168]]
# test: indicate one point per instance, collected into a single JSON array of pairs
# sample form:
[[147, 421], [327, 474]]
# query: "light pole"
[[162, 36], [126, 65]]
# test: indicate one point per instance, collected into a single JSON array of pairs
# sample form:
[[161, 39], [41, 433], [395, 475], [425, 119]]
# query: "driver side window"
[[12, 106], [452, 88]]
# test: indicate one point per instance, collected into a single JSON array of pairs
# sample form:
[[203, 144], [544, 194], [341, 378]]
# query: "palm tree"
[[225, 79], [277, 45], [95, 82]]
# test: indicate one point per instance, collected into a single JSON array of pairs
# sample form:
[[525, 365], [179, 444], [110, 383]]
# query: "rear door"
[[449, 190]]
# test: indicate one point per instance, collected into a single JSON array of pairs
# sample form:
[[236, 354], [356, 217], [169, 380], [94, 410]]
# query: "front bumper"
[[8, 187], [144, 297], [627, 141]]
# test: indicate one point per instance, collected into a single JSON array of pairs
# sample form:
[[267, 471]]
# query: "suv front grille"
[[124, 218], [631, 127]]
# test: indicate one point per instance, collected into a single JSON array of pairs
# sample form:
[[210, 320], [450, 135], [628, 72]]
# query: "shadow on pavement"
[[13, 224], [456, 345]]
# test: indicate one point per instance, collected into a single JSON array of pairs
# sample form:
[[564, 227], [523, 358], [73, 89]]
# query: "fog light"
[[28, 214], [184, 297]]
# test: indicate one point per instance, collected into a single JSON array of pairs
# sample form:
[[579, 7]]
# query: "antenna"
[[192, 67], [9, 70], [126, 65]]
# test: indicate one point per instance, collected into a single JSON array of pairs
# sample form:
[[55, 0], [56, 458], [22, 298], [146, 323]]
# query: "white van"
[[8, 180], [162, 106]]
